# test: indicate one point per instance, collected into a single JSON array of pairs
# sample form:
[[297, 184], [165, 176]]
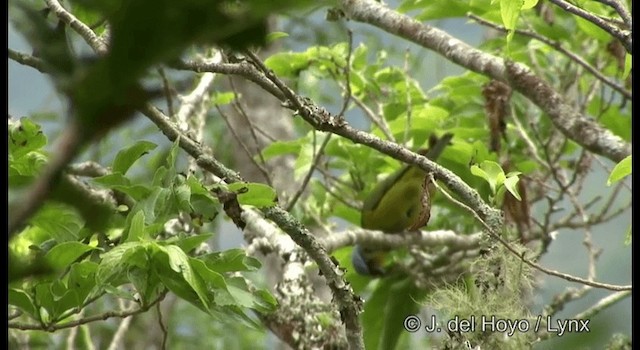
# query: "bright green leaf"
[[510, 11], [223, 98], [627, 66], [287, 64], [511, 183], [25, 136], [273, 36], [126, 157], [491, 172], [622, 169], [529, 4], [179, 262]]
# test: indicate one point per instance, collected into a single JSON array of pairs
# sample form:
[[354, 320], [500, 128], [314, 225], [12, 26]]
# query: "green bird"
[[401, 202]]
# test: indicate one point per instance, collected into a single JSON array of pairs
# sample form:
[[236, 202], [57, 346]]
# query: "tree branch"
[[379, 239], [623, 36], [556, 45], [570, 122], [96, 43]]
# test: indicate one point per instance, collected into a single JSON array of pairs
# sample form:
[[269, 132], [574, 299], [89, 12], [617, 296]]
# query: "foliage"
[[137, 225]]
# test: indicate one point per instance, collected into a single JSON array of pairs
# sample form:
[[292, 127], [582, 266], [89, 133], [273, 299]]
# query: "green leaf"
[[44, 299], [287, 64], [82, 279], [23, 170], [64, 254], [491, 172], [137, 192], [136, 228], [114, 262], [179, 262], [171, 162], [510, 11], [592, 30], [113, 179], [255, 194], [22, 300], [189, 243], [527, 166], [213, 279], [230, 261], [126, 157], [279, 148], [204, 207], [391, 302], [59, 221], [627, 66], [181, 193], [622, 169], [119, 182], [223, 98], [529, 4], [25, 136], [245, 299], [273, 36], [511, 183]]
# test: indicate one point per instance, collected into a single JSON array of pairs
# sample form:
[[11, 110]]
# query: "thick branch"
[[575, 126], [380, 239]]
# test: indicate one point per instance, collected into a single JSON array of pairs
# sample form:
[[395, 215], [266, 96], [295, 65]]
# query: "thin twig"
[[167, 91], [100, 317], [165, 333], [407, 127], [601, 305], [123, 327], [314, 164], [375, 119], [347, 73], [244, 147], [237, 106], [28, 60]]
